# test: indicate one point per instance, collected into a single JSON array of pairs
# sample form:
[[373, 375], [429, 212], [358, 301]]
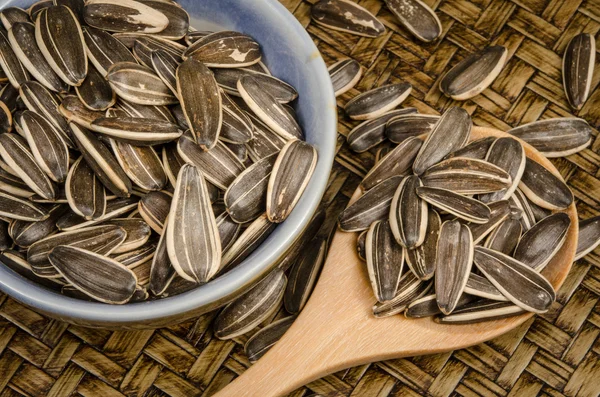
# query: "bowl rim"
[[217, 292]]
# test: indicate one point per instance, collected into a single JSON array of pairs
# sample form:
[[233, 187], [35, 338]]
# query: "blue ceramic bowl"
[[291, 55]]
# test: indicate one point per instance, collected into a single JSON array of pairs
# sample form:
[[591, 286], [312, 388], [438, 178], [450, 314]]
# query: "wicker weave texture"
[[557, 354]]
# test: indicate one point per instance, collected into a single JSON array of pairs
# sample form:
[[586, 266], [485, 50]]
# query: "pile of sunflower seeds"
[[139, 157]]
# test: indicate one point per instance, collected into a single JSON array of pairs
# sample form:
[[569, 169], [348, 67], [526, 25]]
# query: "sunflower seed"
[[521, 202], [234, 128], [114, 208], [85, 193], [360, 245], [104, 50], [453, 264], [252, 237], [22, 39], [228, 230], [589, 237], [146, 111], [136, 131], [154, 208], [12, 67], [505, 237], [193, 240], [219, 165], [374, 205], [477, 149], [245, 198], [16, 261], [137, 231], [15, 152], [556, 137], [38, 99], [508, 154], [483, 288], [409, 289], [25, 233], [474, 74], [376, 102], [483, 310], [14, 185], [37, 7], [75, 111], [141, 164], [192, 36], [145, 45], [291, 174], [100, 239], [578, 68], [263, 340], [408, 214], [20, 208], [60, 39], [251, 308], [544, 188], [201, 102], [166, 68], [162, 272], [95, 92], [235, 109], [228, 78], [179, 20], [344, 75], [346, 16], [466, 176], [499, 211], [401, 128], [126, 78], [540, 243], [268, 109], [101, 161], [372, 132], [124, 16], [265, 142], [421, 260], [46, 144], [99, 277], [397, 162], [463, 207], [303, 275], [450, 133], [280, 90], [427, 306], [12, 15], [521, 284], [225, 49], [385, 260], [417, 17]]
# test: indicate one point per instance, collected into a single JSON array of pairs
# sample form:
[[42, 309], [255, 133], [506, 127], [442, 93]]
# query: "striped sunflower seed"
[[126, 78], [38, 99], [482, 310], [427, 306], [201, 102], [417, 17], [397, 162], [85, 193], [179, 20], [229, 230], [19, 208], [219, 165], [589, 237], [450, 133], [260, 343], [466, 176], [499, 211], [360, 245], [401, 128], [268, 109], [505, 237], [225, 49], [475, 150], [539, 244], [475, 73], [59, 37], [373, 205], [408, 214], [12, 67], [422, 260], [193, 241], [138, 233], [557, 137], [104, 50], [114, 208], [578, 68], [22, 40], [520, 201], [16, 261], [12, 15], [283, 92], [251, 308], [376, 102], [346, 16], [47, 146], [483, 288], [16, 153], [124, 16], [99, 277], [14, 185], [522, 285], [154, 208], [162, 272], [544, 188], [303, 275], [252, 237], [72, 109], [466, 208], [101, 161], [291, 174], [246, 197], [95, 92], [453, 264], [344, 75], [372, 132], [141, 164], [508, 154], [166, 68], [409, 289], [385, 260], [136, 131], [25, 233]]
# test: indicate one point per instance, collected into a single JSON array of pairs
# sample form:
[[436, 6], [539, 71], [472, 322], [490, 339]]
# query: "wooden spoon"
[[337, 329]]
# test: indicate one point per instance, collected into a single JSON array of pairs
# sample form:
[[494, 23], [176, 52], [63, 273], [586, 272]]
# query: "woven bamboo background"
[[557, 354]]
